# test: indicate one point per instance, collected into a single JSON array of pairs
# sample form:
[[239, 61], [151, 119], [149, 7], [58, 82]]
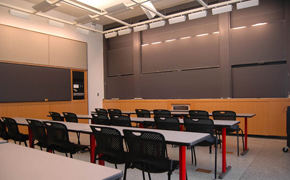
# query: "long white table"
[[19, 162], [183, 139]]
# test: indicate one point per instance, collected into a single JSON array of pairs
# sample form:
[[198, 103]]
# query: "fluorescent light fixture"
[[247, 4], [45, 6], [197, 15], [116, 8], [124, 31], [157, 24], [156, 42], [259, 24], [55, 23], [140, 28], [205, 34], [217, 32], [170, 40], [85, 19], [19, 14], [148, 13], [186, 37], [145, 44], [177, 19], [110, 35], [222, 9], [83, 31], [242, 27]]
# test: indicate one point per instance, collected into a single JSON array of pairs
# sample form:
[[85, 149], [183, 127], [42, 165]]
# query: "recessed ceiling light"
[[187, 37], [205, 34], [156, 42]]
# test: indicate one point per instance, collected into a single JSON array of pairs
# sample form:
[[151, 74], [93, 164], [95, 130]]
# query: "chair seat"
[[20, 137], [113, 159], [152, 167], [67, 147]]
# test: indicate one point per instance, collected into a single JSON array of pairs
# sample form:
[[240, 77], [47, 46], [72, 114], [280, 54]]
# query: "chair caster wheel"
[[285, 149]]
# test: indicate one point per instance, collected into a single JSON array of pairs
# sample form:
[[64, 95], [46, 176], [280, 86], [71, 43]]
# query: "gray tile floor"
[[264, 161]]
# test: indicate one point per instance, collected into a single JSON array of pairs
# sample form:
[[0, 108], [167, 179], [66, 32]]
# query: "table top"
[[185, 112], [19, 162], [223, 123], [78, 127]]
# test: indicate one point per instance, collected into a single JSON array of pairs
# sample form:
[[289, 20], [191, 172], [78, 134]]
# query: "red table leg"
[[182, 163], [141, 125], [225, 169], [93, 146], [30, 134], [245, 151]]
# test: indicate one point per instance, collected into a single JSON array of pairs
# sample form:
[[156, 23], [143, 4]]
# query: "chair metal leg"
[[78, 135], [238, 145], [116, 166], [215, 160], [125, 171], [71, 155], [25, 143], [149, 175], [210, 149]]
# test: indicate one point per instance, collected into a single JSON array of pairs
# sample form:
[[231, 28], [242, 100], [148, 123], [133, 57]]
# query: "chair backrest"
[[70, 117], [145, 145], [12, 127], [3, 131], [57, 133], [121, 121], [143, 113], [100, 119], [167, 123], [100, 111], [161, 113], [224, 115], [55, 116], [199, 125], [109, 141], [114, 112], [198, 114], [38, 131]]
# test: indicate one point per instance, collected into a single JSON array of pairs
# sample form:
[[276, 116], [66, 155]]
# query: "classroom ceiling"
[[100, 6]]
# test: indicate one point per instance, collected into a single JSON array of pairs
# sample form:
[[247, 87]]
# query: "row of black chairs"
[[51, 135]]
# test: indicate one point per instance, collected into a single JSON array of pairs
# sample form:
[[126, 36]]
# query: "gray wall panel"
[[181, 54], [181, 85], [120, 61], [120, 87], [268, 81], [258, 44]]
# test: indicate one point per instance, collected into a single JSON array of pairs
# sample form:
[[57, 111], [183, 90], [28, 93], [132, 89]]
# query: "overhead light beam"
[[222, 9], [19, 14], [197, 15], [177, 19]]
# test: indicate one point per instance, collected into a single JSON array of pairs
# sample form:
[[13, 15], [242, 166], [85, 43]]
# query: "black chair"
[[147, 152], [231, 116], [58, 139], [110, 146], [3, 131], [72, 117], [161, 113], [39, 133], [100, 111], [204, 126], [167, 123], [121, 121], [13, 131], [198, 114], [100, 119], [56, 116], [145, 114], [114, 112]]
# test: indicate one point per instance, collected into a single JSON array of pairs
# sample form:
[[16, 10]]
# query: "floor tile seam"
[[253, 158]]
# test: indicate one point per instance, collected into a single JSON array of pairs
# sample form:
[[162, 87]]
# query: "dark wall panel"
[[181, 85], [24, 83], [268, 81], [120, 61], [181, 54], [120, 87], [256, 44]]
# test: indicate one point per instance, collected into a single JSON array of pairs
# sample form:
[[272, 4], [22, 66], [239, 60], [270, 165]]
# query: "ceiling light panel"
[[140, 28], [157, 24], [177, 19], [19, 14], [124, 31], [45, 6], [110, 35], [148, 13], [197, 15], [247, 4], [56, 23], [222, 9]]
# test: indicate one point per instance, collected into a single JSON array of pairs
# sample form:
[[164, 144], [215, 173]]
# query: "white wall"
[[94, 41]]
